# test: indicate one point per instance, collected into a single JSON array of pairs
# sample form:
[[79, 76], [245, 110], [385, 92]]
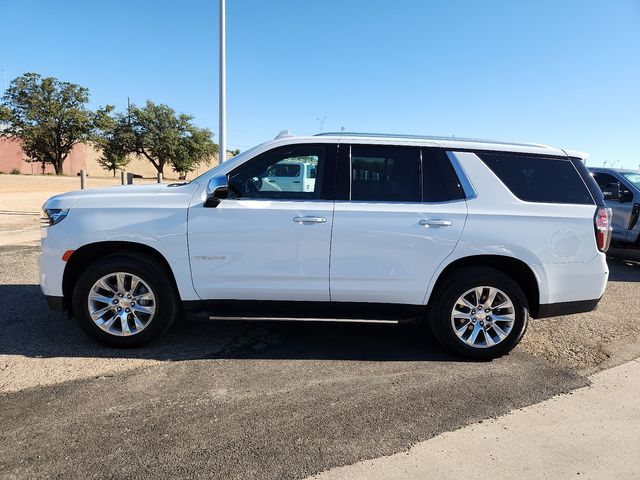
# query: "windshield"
[[633, 178]]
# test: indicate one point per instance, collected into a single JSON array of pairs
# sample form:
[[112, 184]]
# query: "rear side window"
[[385, 174], [539, 179]]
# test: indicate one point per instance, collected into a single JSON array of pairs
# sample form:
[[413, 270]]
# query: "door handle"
[[309, 219], [435, 222]]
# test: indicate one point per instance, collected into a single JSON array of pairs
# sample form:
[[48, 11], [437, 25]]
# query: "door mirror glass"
[[216, 191]]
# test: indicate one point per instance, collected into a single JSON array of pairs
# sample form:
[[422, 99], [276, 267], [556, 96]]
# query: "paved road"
[[242, 400], [592, 433]]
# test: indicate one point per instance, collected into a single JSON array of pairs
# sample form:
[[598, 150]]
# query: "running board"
[[294, 319], [261, 310]]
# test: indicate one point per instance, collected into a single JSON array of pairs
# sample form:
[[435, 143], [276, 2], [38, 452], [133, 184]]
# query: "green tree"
[[110, 141], [48, 115], [164, 138], [113, 160]]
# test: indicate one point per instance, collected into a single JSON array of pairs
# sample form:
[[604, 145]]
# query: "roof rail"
[[425, 137]]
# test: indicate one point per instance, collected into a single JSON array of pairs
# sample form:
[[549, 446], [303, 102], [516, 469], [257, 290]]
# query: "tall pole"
[[321, 120], [223, 85]]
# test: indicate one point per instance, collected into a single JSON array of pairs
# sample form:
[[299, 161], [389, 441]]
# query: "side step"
[[294, 319], [252, 310]]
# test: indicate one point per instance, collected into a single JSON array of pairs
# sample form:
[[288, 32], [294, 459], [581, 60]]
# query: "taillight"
[[602, 223]]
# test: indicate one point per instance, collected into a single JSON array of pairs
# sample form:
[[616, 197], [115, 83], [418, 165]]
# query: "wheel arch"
[[516, 269], [89, 253]]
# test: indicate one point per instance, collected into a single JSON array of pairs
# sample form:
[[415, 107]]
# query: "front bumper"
[[50, 261]]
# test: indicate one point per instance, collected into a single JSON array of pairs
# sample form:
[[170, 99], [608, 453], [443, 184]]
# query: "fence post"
[[159, 177], [83, 179], [129, 178], [122, 175]]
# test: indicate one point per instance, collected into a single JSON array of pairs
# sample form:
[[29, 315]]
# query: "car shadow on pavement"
[[624, 265], [29, 328]]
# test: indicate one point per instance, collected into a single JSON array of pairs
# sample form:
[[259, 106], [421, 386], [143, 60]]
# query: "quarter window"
[[539, 179]]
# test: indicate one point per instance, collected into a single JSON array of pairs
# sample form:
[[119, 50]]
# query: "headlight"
[[52, 216]]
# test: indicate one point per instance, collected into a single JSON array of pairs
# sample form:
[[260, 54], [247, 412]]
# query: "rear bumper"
[[546, 310]]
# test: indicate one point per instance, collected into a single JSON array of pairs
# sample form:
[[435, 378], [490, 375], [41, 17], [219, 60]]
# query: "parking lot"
[[266, 400]]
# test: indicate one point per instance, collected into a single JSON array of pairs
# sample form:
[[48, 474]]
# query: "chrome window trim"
[[467, 186], [381, 202]]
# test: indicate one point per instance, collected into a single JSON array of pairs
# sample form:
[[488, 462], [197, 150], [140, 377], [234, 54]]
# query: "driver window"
[[610, 186], [289, 173]]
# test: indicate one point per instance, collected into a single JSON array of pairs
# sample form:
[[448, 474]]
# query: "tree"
[[163, 137], [48, 115], [113, 160], [110, 141]]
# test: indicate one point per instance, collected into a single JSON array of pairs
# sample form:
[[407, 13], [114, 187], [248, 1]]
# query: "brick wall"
[[82, 157]]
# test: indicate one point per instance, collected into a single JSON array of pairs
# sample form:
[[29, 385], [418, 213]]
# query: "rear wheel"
[[479, 313], [124, 301]]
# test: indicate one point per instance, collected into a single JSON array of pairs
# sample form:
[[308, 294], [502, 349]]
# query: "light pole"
[[321, 120], [223, 85]]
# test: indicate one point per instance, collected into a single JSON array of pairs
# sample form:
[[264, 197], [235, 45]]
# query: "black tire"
[[162, 286], [453, 287]]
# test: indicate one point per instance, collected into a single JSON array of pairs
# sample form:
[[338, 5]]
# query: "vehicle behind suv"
[[621, 190], [469, 237]]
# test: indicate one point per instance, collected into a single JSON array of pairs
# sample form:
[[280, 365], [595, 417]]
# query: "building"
[[84, 156]]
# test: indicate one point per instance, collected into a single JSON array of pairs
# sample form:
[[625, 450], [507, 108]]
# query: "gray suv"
[[621, 190]]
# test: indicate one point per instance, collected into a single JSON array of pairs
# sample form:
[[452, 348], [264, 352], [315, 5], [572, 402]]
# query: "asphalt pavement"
[[255, 400]]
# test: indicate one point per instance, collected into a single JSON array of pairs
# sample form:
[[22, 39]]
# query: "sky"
[[563, 73]]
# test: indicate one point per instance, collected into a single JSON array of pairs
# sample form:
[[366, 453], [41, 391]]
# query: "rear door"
[[399, 213]]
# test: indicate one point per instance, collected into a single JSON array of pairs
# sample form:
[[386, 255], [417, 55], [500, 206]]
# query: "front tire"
[[479, 313], [124, 301]]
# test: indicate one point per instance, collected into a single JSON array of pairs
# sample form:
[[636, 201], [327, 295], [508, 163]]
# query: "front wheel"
[[479, 313], [124, 301]]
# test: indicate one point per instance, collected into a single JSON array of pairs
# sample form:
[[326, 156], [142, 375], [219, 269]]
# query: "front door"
[[621, 208], [402, 216], [270, 240]]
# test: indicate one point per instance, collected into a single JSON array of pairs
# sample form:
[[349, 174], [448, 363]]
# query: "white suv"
[[470, 236]]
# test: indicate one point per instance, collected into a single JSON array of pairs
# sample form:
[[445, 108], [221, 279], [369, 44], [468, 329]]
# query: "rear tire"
[[475, 327], [124, 301]]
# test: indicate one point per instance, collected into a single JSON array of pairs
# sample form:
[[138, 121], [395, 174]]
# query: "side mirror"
[[216, 192], [611, 191], [626, 196]]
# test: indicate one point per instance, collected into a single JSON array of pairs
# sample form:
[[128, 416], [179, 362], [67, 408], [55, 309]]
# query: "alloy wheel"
[[483, 317], [121, 304]]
